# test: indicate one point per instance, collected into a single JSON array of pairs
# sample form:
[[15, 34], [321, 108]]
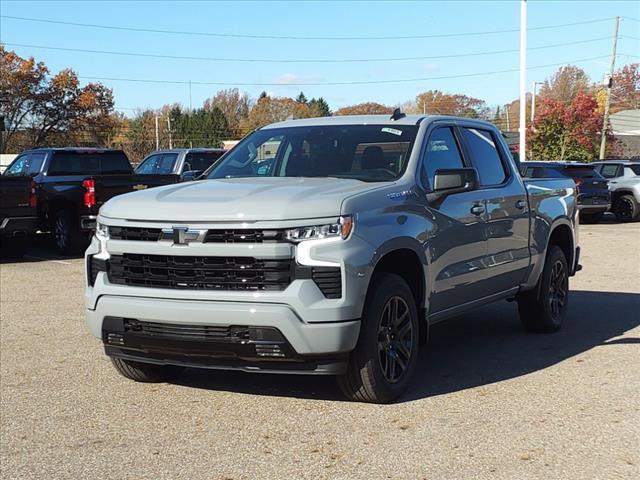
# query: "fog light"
[[269, 350], [115, 339]]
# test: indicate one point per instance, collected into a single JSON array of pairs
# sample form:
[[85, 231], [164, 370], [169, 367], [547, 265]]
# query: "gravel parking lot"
[[489, 400]]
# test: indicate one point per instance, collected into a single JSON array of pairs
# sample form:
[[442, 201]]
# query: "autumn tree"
[[40, 109], [625, 90], [566, 131], [367, 108], [275, 109], [436, 102], [565, 84], [234, 105]]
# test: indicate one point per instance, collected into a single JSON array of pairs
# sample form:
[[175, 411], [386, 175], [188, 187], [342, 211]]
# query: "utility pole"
[[190, 107], [523, 79], [605, 121], [157, 135], [506, 107], [169, 128]]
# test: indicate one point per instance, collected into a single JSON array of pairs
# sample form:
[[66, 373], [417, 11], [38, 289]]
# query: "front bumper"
[[178, 333]]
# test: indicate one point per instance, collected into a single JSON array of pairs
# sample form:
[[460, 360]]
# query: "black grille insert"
[[134, 233], [244, 236], [200, 273], [328, 280]]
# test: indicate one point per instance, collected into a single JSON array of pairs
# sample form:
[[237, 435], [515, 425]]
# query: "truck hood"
[[238, 199]]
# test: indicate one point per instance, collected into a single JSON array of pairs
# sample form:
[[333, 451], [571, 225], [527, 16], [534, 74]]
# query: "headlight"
[[102, 231], [341, 229]]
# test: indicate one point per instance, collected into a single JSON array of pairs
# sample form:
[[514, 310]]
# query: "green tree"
[[319, 107], [301, 98]]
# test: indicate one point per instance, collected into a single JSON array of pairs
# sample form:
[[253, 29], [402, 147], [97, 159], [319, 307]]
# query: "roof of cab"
[[370, 120], [555, 163]]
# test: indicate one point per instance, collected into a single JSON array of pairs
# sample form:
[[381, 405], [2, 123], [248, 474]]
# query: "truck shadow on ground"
[[40, 248], [479, 348]]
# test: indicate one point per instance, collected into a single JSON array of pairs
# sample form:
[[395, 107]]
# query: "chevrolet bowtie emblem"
[[182, 235], [140, 186]]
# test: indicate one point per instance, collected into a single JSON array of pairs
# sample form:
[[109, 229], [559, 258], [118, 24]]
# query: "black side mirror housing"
[[190, 175], [452, 180]]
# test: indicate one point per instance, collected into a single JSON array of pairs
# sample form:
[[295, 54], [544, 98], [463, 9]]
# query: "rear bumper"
[[594, 208], [18, 225], [178, 333]]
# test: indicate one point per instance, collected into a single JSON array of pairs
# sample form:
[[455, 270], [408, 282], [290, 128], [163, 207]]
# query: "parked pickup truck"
[[592, 188], [72, 183], [624, 184], [186, 163], [18, 217], [329, 246]]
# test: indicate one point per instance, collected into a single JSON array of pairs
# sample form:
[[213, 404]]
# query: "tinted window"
[[581, 172], [166, 164], [200, 161], [18, 167], [442, 152], [484, 156], [609, 171], [88, 163], [372, 153], [148, 166], [35, 163]]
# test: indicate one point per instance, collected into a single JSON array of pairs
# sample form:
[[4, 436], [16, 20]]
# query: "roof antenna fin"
[[397, 114]]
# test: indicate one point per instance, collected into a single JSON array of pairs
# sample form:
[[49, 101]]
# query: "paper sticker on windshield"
[[393, 131]]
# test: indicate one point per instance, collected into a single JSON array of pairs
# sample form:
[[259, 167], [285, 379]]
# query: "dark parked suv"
[[592, 188]]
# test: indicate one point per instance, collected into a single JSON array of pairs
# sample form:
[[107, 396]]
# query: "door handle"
[[521, 204], [477, 209]]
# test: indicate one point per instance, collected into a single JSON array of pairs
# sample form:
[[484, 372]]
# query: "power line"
[[259, 60], [289, 37], [354, 82]]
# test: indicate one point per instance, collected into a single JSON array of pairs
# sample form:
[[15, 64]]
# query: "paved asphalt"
[[489, 401]]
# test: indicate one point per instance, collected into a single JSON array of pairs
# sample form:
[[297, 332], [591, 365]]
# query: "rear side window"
[[160, 164], [89, 163], [442, 152], [634, 170], [609, 171], [484, 156], [200, 161], [35, 163]]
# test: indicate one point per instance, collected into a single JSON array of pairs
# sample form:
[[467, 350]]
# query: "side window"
[[35, 163], [18, 167], [484, 156], [149, 165], [165, 165], [442, 152], [609, 171]]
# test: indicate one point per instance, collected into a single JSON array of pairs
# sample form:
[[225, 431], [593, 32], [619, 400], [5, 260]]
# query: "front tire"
[[626, 208], [145, 372], [382, 364], [543, 309]]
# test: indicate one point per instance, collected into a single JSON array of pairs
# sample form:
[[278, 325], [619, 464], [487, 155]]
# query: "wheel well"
[[406, 264], [618, 193], [561, 237]]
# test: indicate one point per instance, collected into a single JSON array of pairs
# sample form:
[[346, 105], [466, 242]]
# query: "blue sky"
[[313, 19]]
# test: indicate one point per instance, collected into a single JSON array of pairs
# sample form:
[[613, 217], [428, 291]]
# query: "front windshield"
[[371, 153]]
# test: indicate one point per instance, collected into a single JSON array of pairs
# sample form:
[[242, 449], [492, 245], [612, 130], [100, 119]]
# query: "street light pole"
[[523, 78], [605, 121]]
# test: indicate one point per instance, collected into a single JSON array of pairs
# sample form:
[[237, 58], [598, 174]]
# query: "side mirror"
[[452, 180], [190, 175]]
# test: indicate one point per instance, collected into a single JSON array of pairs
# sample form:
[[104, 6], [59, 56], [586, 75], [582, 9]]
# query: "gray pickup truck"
[[328, 246]]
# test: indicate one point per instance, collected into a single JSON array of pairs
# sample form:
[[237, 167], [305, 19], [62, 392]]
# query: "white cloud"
[[293, 79]]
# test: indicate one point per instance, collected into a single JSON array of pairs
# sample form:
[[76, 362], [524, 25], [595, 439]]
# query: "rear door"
[[458, 247], [507, 212]]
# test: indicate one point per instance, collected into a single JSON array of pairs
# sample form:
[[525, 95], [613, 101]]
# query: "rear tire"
[[626, 208], [382, 364], [68, 238], [543, 309], [587, 218], [145, 372]]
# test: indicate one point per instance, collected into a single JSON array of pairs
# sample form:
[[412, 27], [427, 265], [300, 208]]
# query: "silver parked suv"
[[624, 185], [328, 246]]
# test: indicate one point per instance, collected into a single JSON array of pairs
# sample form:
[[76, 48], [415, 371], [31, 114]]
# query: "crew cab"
[[624, 184], [72, 183], [18, 217], [186, 163], [592, 188], [328, 246]]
